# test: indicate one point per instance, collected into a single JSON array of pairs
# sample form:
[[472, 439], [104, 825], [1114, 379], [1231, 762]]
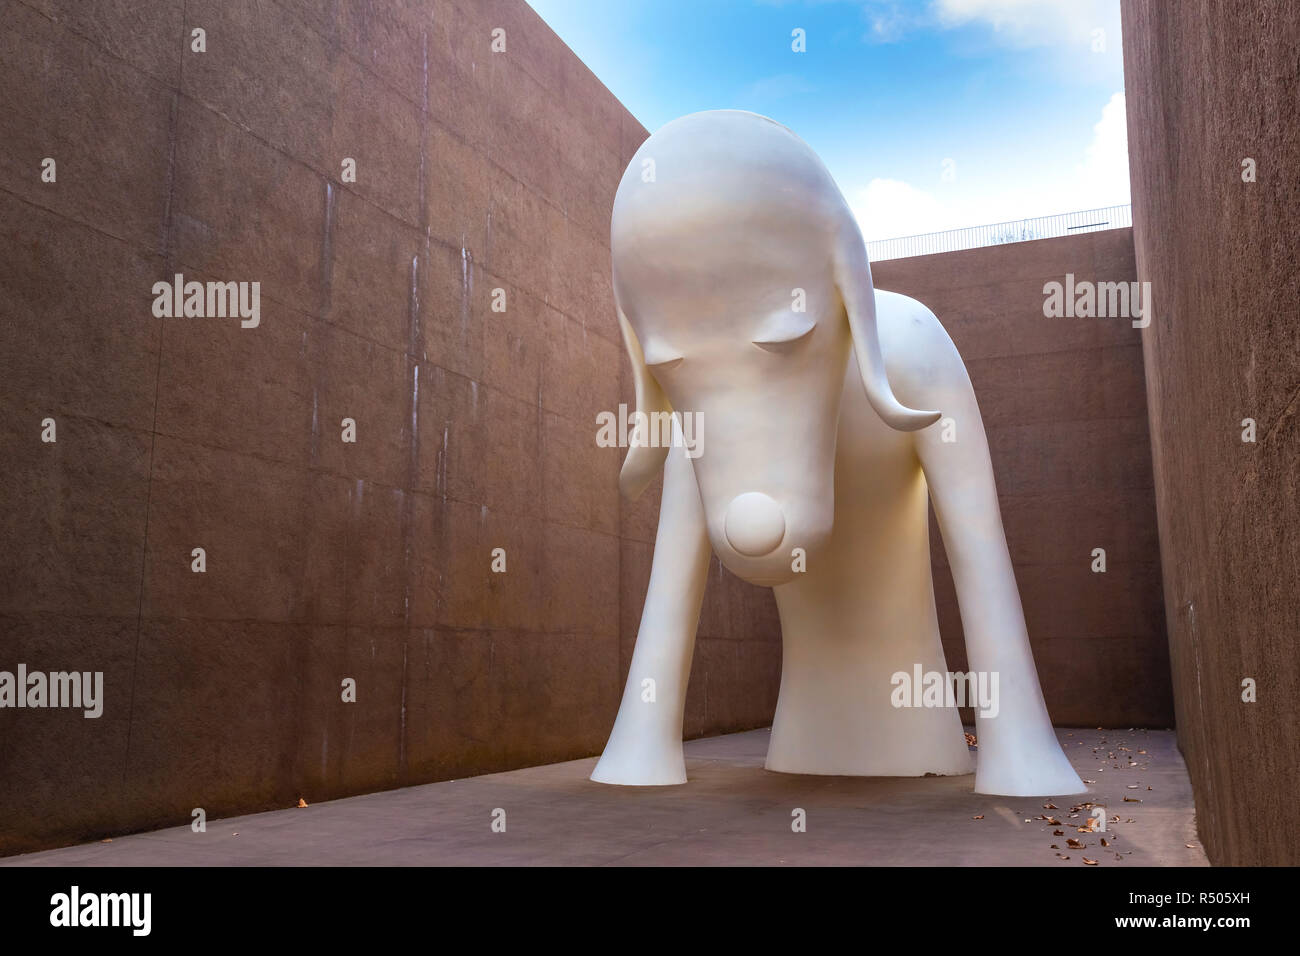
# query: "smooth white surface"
[[814, 440]]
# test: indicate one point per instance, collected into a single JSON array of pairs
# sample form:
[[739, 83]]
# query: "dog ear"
[[643, 461], [853, 280]]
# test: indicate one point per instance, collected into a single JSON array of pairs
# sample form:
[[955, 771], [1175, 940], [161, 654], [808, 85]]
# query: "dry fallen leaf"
[[1055, 847], [1132, 800], [1104, 842], [1058, 833], [1074, 844], [1089, 862], [1050, 806], [302, 802], [980, 817], [1190, 846]]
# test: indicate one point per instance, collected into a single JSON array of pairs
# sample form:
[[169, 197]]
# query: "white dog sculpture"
[[745, 297]]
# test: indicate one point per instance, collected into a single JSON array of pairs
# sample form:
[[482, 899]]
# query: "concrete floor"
[[732, 812]]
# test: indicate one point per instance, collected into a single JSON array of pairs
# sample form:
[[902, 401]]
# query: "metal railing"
[[1020, 230]]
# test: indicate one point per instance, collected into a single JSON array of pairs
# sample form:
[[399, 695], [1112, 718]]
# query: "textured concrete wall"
[[1210, 84], [1065, 412], [325, 560]]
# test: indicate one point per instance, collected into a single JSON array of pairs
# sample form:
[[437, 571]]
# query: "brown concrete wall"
[[325, 560], [1064, 408], [1210, 84]]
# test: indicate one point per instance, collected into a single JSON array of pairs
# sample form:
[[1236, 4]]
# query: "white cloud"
[[1029, 22], [1073, 32], [889, 208], [1103, 175], [890, 20]]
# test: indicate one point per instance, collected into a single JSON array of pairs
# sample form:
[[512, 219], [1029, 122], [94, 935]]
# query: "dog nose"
[[754, 524]]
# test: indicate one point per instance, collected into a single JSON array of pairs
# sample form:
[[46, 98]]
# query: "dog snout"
[[754, 524]]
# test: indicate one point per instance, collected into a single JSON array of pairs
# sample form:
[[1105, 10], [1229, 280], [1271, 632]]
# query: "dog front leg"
[[645, 746], [1019, 754]]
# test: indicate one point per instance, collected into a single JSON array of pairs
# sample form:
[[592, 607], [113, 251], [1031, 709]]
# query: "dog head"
[[742, 283]]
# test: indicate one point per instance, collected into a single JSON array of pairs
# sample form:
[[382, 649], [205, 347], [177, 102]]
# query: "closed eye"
[[784, 334], [661, 358]]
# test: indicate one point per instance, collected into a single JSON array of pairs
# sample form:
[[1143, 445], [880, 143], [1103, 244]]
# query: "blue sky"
[[931, 114]]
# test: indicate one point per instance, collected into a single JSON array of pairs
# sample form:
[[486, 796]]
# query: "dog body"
[[864, 609], [745, 298]]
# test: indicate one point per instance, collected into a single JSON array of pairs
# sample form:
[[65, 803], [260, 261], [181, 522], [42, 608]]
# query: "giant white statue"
[[745, 299]]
